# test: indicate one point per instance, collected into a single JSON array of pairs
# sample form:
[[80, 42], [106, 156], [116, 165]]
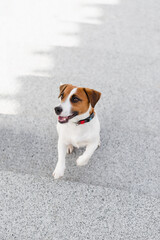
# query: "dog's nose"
[[58, 110]]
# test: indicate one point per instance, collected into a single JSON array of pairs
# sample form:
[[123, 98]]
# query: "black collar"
[[88, 119]]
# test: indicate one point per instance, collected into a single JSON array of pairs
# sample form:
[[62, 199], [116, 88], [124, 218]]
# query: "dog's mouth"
[[66, 119]]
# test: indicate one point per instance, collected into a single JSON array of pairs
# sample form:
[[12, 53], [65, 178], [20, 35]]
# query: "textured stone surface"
[[41, 208]]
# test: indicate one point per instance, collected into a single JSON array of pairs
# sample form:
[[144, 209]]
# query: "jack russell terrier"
[[78, 124]]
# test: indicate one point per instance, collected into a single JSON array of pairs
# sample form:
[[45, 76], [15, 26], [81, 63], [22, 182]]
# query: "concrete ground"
[[114, 47]]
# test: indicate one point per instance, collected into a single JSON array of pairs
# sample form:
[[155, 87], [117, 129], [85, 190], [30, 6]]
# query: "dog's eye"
[[75, 99], [62, 96]]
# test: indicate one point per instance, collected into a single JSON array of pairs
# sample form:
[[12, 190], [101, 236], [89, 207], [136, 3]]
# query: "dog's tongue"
[[62, 119]]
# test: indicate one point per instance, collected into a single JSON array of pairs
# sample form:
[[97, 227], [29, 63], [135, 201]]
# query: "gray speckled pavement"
[[114, 47]]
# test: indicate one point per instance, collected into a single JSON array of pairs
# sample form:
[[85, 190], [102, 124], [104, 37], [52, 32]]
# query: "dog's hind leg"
[[69, 148]]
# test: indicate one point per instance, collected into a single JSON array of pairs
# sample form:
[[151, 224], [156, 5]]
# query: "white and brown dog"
[[78, 124]]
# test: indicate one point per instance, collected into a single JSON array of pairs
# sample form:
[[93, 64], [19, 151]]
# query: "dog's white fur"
[[66, 106], [72, 135]]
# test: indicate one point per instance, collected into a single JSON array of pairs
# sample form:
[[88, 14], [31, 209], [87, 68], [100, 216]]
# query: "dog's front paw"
[[58, 172], [81, 161]]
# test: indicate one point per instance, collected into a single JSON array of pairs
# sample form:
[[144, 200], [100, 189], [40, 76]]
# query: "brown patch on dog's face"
[[65, 90], [79, 101]]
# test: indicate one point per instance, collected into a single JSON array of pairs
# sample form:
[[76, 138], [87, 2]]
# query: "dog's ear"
[[62, 88], [93, 96]]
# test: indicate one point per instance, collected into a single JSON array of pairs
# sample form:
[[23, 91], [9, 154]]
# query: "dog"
[[78, 124]]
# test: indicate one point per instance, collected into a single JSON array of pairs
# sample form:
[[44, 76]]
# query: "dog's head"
[[75, 101]]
